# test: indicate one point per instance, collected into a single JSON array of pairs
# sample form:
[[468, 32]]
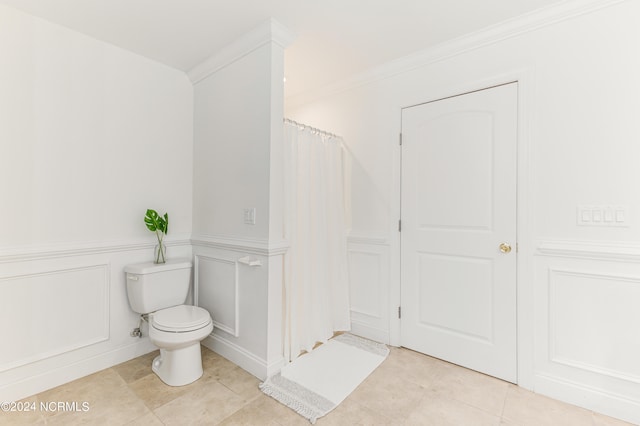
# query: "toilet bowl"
[[176, 329]]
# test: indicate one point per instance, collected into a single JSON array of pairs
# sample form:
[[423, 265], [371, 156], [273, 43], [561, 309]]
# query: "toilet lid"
[[181, 318]]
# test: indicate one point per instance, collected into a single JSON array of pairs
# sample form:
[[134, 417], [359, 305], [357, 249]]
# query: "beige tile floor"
[[407, 389]]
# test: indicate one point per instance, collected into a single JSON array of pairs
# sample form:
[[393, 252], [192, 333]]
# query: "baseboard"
[[241, 357], [597, 400], [369, 332], [68, 373]]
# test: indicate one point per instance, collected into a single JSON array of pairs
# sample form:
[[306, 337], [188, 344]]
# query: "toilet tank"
[[152, 286]]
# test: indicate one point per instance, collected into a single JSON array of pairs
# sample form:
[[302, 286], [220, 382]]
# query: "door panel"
[[458, 205], [464, 275], [455, 175]]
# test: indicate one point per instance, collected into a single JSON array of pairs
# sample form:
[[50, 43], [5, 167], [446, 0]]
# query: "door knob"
[[505, 248]]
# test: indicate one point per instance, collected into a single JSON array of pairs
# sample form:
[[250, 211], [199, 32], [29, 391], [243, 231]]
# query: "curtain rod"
[[311, 129]]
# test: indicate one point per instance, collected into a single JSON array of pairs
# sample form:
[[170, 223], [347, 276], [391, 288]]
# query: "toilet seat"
[[180, 319]]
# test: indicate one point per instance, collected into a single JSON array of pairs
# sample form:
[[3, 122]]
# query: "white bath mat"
[[317, 382]]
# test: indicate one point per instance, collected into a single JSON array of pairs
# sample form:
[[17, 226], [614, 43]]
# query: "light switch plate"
[[602, 215], [250, 216]]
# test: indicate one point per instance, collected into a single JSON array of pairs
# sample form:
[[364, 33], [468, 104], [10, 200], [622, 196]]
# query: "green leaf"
[[165, 224], [151, 220], [155, 222]]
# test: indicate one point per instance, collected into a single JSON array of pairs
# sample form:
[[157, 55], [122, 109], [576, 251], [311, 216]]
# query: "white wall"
[[231, 151], [91, 137], [237, 142], [579, 286]]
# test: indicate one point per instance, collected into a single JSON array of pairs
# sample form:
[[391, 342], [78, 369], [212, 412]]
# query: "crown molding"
[[270, 31], [514, 27]]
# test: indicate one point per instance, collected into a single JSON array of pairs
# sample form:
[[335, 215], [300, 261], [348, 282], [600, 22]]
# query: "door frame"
[[524, 230]]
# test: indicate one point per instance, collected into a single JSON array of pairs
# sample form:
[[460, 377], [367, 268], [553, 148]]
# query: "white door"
[[459, 230]]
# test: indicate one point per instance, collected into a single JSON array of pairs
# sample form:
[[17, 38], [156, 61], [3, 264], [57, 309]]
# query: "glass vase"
[[160, 253]]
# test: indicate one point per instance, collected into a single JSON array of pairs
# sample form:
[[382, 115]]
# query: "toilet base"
[[179, 367]]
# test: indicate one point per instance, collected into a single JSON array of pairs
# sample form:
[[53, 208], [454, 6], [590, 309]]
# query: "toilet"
[[160, 290]]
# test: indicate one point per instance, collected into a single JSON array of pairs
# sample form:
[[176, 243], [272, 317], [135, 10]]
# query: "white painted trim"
[[395, 283], [270, 31], [48, 251], [241, 357], [235, 331], [382, 282], [101, 335], [369, 239], [280, 34], [593, 368], [373, 315], [371, 322], [257, 246], [599, 400], [595, 250], [68, 373], [524, 228], [552, 274], [514, 27], [377, 334]]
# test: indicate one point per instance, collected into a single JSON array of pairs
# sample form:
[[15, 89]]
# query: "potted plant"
[[158, 224]]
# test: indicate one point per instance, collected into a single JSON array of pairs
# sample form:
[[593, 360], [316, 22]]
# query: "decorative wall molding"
[[595, 369], [585, 297], [42, 287], [217, 304], [568, 288], [365, 238], [368, 289], [368, 260], [270, 31], [257, 246], [49, 251], [526, 23], [597, 250], [71, 301]]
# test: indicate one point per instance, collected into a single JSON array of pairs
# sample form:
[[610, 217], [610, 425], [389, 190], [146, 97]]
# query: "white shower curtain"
[[316, 221]]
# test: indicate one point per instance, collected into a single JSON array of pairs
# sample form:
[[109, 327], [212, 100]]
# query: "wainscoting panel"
[[239, 281], [64, 311], [369, 287], [590, 316], [50, 312], [587, 299], [216, 287]]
